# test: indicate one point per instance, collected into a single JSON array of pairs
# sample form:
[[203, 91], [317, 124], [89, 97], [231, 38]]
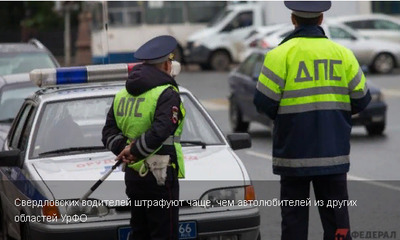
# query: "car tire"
[[236, 119], [383, 63], [3, 225], [178, 55], [25, 231], [375, 129], [220, 61]]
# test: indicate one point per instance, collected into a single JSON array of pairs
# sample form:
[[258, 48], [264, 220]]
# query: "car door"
[[15, 184], [360, 46], [256, 69], [377, 28], [244, 86], [386, 30], [237, 30]]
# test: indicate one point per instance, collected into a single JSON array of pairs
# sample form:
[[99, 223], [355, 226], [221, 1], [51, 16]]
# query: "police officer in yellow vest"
[[311, 86], [143, 128]]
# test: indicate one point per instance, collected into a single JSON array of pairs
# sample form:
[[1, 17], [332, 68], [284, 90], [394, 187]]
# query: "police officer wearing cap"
[[145, 123], [310, 86]]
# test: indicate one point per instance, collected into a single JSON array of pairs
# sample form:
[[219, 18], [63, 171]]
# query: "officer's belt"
[[172, 139]]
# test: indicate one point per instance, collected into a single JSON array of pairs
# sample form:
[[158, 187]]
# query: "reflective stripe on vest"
[[326, 79], [172, 139], [310, 162]]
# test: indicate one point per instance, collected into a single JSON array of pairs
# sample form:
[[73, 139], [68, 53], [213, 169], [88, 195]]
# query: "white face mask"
[[175, 68]]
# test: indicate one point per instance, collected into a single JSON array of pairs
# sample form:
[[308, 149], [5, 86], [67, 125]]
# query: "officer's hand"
[[126, 155]]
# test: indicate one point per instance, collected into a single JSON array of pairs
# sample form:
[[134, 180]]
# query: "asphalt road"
[[374, 178]]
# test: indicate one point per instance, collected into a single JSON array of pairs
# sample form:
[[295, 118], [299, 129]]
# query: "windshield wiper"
[[7, 120], [198, 143], [73, 149]]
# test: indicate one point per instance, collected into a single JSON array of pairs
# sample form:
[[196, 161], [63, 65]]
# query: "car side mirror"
[[239, 140], [12, 158]]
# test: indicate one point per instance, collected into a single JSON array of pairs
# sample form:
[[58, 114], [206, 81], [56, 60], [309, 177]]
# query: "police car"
[[53, 154], [242, 112]]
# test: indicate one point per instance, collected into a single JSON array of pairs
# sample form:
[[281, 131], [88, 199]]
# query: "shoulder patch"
[[175, 111]]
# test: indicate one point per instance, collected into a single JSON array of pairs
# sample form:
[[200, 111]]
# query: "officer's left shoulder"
[[344, 50], [170, 92]]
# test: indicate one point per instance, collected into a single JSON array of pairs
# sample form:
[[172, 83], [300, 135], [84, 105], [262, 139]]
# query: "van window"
[[218, 18], [244, 19]]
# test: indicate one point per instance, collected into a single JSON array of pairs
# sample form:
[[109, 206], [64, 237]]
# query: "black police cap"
[[157, 49], [308, 6]]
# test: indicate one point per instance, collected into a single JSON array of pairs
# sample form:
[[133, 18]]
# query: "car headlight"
[[377, 97], [231, 196], [90, 208]]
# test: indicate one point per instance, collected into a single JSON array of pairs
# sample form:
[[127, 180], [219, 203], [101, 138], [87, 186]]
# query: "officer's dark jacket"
[[303, 140], [143, 78]]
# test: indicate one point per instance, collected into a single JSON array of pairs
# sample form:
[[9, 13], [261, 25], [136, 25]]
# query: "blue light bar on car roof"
[[78, 75]]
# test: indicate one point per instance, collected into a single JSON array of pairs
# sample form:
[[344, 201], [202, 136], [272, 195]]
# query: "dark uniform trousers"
[[155, 223], [327, 187]]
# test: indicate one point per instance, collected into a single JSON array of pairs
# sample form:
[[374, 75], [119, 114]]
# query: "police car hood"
[[144, 77], [70, 177]]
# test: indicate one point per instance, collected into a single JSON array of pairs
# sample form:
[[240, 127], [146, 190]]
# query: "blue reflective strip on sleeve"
[[71, 75]]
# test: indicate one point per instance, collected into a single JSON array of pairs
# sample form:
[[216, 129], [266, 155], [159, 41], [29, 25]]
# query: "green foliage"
[[41, 16], [33, 14], [11, 14]]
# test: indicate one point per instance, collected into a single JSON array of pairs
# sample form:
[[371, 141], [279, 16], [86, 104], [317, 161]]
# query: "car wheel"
[[383, 63], [25, 231], [236, 120], [3, 225], [178, 56], [220, 61], [375, 128]]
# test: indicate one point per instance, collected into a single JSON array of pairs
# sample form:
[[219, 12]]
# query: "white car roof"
[[366, 17]]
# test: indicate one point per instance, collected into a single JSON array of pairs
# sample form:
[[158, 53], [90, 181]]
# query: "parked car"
[[379, 26], [17, 58], [242, 112], [380, 55], [24, 57], [45, 161], [13, 90], [255, 38]]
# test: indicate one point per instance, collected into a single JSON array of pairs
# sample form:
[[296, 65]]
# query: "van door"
[[237, 30]]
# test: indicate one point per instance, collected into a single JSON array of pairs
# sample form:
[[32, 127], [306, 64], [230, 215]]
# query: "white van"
[[222, 43]]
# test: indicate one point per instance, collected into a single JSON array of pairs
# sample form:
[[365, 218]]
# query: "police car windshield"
[[71, 124], [75, 126], [197, 127]]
